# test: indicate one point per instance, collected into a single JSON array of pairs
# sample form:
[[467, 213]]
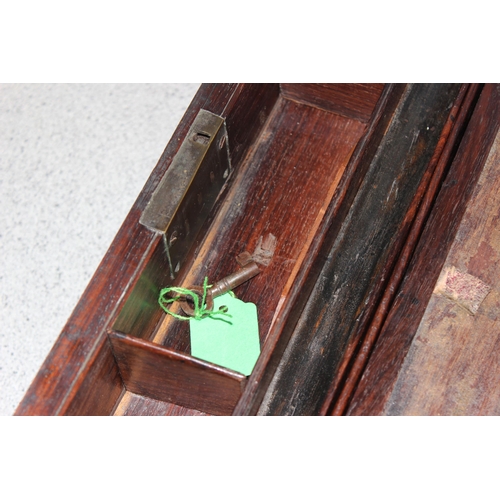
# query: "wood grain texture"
[[341, 211], [133, 405], [153, 371], [294, 299], [353, 100], [70, 362], [101, 387], [398, 332], [284, 190], [357, 355], [363, 255], [453, 364]]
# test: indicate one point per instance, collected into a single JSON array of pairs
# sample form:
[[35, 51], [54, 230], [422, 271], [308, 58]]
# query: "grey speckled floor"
[[73, 158]]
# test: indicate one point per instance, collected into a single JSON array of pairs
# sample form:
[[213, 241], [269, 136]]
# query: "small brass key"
[[222, 286]]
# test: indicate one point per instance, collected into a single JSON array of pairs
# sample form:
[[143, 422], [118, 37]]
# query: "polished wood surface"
[[150, 370]]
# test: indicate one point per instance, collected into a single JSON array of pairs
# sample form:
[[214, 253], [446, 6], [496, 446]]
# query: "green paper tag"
[[232, 342]]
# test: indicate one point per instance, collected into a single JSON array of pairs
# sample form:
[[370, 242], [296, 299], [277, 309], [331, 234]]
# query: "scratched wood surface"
[[453, 365], [445, 152], [286, 182], [363, 255], [398, 332]]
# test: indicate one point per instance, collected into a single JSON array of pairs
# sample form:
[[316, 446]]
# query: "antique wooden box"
[[372, 211]]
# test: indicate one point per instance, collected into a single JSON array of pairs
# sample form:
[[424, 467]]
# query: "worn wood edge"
[[357, 354], [317, 374], [216, 378], [453, 364], [290, 307], [57, 382], [394, 341]]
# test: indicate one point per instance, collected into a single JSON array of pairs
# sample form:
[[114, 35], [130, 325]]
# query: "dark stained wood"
[[100, 388], [153, 371], [69, 362], [357, 356], [348, 179], [283, 186], [353, 100], [398, 333], [246, 113], [133, 405], [294, 300], [283, 189], [363, 255]]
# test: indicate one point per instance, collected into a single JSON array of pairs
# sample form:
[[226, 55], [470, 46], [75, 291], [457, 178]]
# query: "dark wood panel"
[[133, 405], [84, 335], [153, 371], [363, 255], [398, 332], [353, 100]]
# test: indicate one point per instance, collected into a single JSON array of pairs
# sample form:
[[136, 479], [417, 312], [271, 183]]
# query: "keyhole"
[[201, 138]]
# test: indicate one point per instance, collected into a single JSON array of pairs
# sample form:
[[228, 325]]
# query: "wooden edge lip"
[[169, 353]]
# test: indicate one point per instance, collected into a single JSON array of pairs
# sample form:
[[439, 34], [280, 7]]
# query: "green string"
[[200, 309]]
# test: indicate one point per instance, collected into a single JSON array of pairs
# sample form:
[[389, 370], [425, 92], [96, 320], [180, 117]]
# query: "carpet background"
[[73, 159]]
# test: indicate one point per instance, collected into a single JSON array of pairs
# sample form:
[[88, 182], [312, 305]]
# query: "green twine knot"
[[200, 307]]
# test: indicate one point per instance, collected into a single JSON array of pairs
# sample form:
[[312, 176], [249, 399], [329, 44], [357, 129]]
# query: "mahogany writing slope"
[[373, 213]]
